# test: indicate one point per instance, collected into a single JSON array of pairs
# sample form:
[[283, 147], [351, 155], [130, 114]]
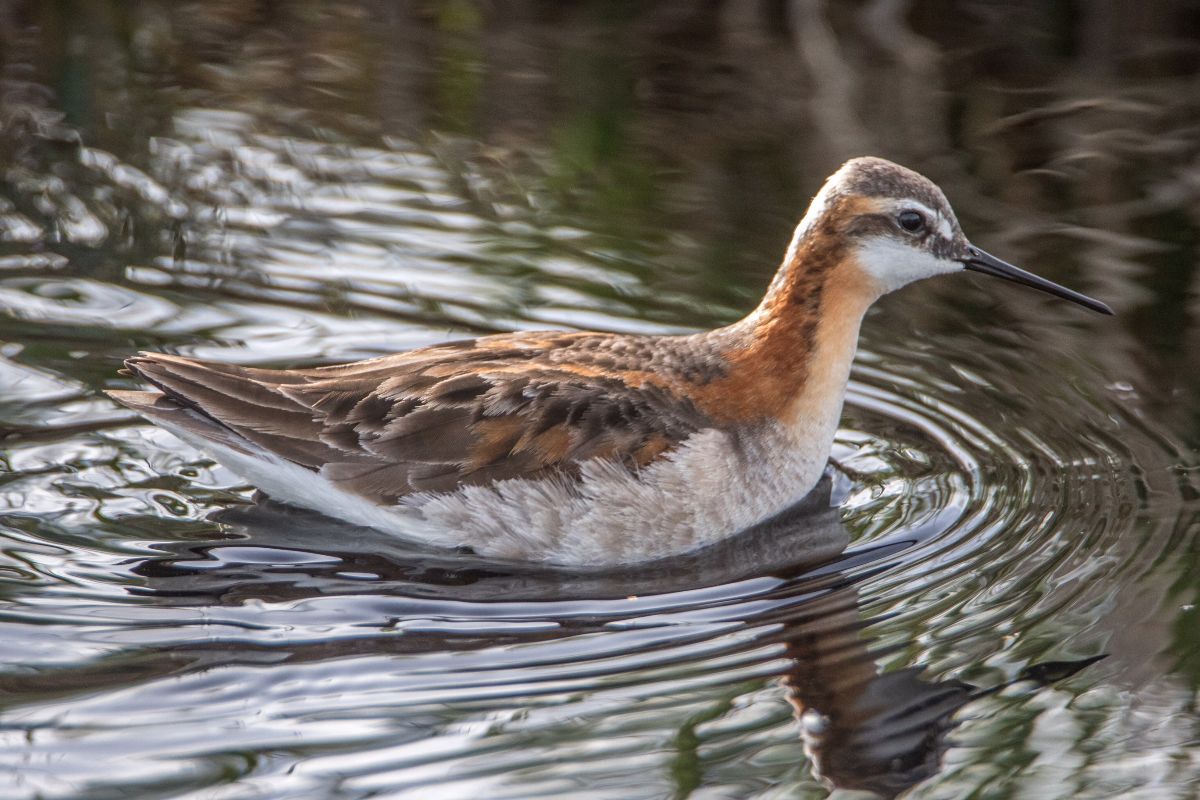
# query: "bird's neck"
[[789, 360]]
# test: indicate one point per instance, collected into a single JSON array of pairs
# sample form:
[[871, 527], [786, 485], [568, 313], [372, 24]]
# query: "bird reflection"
[[795, 578], [863, 729]]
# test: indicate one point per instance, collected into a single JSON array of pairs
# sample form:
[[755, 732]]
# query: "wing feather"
[[519, 406]]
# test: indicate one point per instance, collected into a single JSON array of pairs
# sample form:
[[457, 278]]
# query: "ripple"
[[75, 300], [1001, 513], [949, 537]]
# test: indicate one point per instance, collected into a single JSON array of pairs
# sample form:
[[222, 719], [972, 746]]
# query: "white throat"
[[892, 263]]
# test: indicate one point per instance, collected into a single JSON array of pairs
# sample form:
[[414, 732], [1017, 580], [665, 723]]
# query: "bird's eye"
[[911, 221]]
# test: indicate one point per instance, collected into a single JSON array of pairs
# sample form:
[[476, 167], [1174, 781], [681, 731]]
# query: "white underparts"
[[709, 488], [294, 484]]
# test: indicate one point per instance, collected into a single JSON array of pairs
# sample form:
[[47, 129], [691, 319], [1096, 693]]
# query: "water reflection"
[[789, 583], [880, 732], [285, 184]]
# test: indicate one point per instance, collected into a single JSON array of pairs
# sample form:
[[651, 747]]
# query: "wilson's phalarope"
[[587, 448]]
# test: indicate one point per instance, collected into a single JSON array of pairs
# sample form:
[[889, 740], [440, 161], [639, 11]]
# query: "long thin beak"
[[979, 261]]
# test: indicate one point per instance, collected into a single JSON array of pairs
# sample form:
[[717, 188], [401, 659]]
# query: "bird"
[[587, 449]]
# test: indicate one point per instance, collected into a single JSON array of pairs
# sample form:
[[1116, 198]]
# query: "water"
[[1001, 601]]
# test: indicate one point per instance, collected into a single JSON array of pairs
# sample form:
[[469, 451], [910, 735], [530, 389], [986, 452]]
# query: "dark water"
[[285, 184]]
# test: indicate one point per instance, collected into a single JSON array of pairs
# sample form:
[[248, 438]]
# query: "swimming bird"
[[587, 448]]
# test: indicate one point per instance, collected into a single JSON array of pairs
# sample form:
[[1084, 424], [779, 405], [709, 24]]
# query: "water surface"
[[993, 595]]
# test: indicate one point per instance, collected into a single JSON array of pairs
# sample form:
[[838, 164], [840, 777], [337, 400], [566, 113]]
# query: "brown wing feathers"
[[433, 420], [233, 397]]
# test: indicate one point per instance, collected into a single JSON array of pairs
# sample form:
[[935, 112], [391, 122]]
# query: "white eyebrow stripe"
[[929, 212], [945, 229]]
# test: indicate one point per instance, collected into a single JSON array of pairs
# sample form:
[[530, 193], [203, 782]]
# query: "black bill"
[[979, 261]]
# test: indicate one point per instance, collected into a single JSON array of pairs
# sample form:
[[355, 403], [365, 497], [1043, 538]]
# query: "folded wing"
[[464, 413]]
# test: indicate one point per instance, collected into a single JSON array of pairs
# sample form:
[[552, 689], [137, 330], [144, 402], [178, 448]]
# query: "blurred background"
[[686, 137], [286, 183]]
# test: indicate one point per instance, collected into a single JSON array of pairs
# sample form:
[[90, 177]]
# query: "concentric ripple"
[[1000, 513], [313, 660]]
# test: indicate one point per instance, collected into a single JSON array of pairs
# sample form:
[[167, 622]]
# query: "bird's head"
[[894, 226]]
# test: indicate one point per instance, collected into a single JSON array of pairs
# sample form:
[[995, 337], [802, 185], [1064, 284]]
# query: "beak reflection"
[[979, 261]]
